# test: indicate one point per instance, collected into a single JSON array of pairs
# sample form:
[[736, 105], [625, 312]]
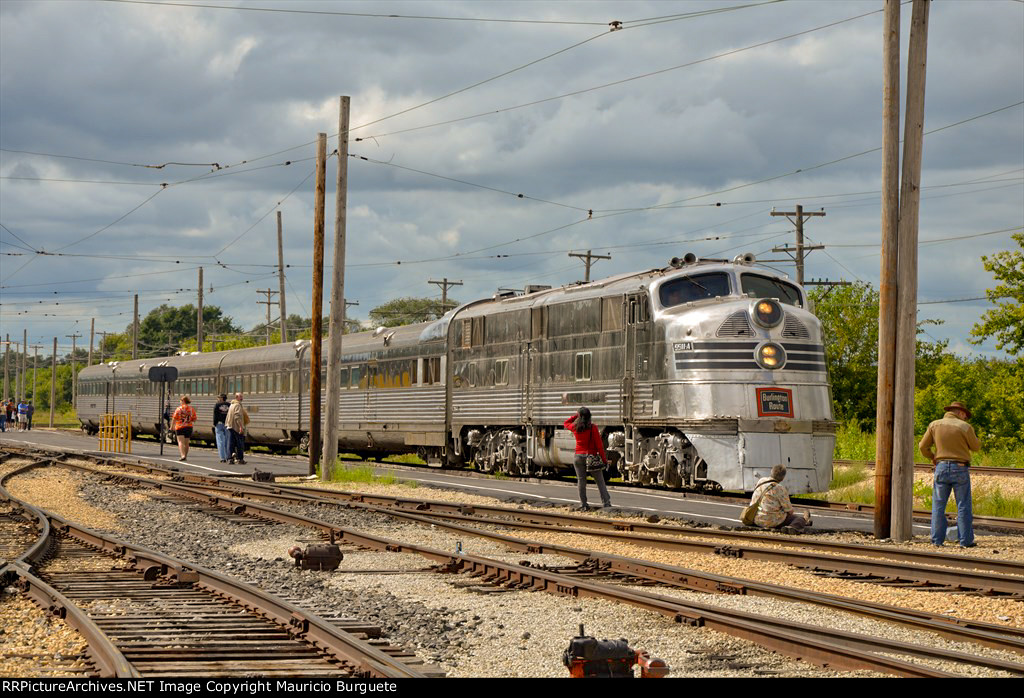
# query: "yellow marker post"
[[116, 432]]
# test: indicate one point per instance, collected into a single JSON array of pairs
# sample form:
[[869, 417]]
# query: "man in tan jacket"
[[948, 443], [236, 422]]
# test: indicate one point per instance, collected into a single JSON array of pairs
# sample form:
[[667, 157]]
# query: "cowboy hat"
[[958, 406]]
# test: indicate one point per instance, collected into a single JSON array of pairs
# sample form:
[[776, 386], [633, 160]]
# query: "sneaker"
[[241, 462], [969, 545], [223, 461], [181, 460], [231, 462], [791, 530], [583, 507], [607, 505]]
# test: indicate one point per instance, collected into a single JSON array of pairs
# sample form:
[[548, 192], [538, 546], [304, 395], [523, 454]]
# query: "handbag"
[[594, 462], [750, 512]]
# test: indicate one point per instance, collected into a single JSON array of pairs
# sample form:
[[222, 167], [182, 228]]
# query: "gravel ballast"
[[447, 619]]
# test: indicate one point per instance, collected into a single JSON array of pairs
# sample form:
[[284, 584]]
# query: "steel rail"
[[300, 623], [999, 637], [988, 522], [101, 650], [928, 467], [563, 584], [532, 516]]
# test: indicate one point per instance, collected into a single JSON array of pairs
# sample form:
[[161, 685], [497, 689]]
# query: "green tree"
[[167, 324], [993, 389], [1005, 322], [849, 318], [406, 311]]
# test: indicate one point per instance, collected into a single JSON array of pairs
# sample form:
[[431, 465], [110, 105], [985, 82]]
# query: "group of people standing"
[[16, 415], [229, 422]]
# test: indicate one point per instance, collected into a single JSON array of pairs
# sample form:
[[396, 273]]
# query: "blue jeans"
[[223, 440], [580, 465], [955, 477]]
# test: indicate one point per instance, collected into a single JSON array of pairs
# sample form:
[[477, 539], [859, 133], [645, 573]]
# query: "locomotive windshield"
[[767, 287], [697, 287]]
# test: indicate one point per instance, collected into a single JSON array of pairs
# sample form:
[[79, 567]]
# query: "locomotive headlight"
[[767, 312], [770, 356]]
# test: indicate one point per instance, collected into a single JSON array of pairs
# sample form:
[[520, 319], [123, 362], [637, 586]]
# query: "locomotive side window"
[[697, 287], [767, 287], [611, 314], [501, 372], [584, 361], [343, 378], [356, 375]]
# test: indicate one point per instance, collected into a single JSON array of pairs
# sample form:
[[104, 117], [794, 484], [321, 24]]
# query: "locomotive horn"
[[678, 262], [747, 258]]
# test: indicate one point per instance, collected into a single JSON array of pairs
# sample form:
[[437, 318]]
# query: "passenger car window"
[[696, 287], [767, 287]]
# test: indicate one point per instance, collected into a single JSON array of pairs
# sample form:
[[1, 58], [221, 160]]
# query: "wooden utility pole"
[[268, 293], [7, 371], [199, 314], [24, 362], [103, 340], [135, 330], [336, 328], [444, 284], [588, 260], [315, 358], [53, 382], [888, 275], [35, 364], [906, 315], [92, 337], [74, 375], [280, 282], [801, 248]]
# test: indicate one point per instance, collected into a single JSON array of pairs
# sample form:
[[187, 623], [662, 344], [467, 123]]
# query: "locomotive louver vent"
[[736, 325], [795, 329]]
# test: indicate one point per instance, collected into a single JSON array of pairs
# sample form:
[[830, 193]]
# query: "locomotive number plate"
[[774, 402], [682, 346]]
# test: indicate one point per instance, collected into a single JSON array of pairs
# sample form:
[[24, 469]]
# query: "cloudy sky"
[[490, 132]]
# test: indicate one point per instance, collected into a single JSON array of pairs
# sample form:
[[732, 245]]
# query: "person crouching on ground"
[[775, 510], [588, 443], [183, 420], [236, 420]]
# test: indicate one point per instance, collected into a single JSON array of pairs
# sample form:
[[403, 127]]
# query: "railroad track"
[[928, 467], [147, 614], [816, 644]]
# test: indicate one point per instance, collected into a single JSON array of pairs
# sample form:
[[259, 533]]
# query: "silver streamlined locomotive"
[[703, 374]]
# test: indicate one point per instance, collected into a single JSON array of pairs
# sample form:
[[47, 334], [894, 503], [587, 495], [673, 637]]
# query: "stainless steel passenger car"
[[702, 374]]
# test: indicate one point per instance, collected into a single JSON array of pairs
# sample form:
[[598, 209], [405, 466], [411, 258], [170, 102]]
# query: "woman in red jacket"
[[588, 442]]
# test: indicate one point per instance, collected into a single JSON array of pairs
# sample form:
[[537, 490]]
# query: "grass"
[[856, 484], [365, 475]]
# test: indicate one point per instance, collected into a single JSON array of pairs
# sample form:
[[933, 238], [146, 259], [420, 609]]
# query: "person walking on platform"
[[590, 456], [183, 419], [220, 428], [948, 443], [29, 411], [237, 420]]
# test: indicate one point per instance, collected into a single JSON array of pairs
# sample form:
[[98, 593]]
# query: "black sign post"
[[163, 375]]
